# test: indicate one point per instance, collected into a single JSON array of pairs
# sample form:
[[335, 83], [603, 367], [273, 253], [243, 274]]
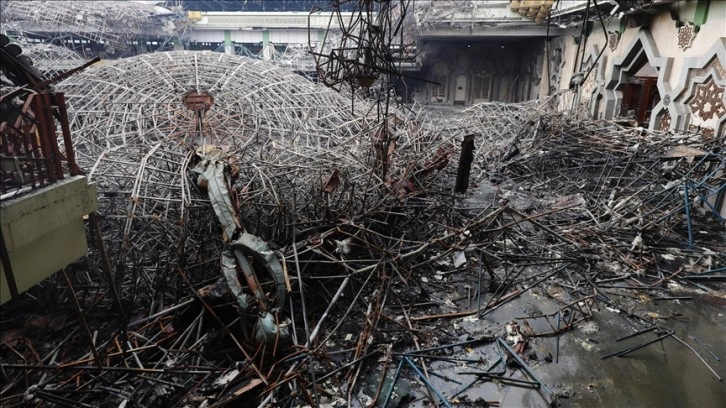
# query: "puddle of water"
[[662, 374]]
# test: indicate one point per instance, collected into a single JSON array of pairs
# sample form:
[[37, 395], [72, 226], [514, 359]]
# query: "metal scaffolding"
[[116, 28]]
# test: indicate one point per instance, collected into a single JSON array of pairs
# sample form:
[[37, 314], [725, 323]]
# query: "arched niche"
[[439, 74], [641, 51]]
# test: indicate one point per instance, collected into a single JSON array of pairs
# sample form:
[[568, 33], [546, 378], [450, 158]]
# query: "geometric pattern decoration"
[[704, 131], [686, 34], [697, 74], [665, 121], [613, 40], [485, 70], [714, 64], [707, 100]]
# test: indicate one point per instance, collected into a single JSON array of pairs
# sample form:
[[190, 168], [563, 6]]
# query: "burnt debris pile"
[[284, 253]]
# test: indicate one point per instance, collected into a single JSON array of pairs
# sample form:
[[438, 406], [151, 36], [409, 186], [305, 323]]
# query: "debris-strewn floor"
[[573, 234]]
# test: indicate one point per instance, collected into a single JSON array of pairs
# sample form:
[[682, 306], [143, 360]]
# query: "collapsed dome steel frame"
[[49, 58], [135, 137], [116, 28]]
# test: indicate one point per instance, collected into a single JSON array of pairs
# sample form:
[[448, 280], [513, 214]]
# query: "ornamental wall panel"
[[641, 49], [698, 102]]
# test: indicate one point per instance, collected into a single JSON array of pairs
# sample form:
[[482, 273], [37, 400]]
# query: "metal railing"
[[30, 154]]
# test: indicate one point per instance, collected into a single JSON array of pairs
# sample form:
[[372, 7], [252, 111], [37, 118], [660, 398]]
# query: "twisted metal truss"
[[136, 138], [50, 58], [372, 44], [117, 26]]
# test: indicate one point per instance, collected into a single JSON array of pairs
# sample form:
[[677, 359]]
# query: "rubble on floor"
[[397, 292]]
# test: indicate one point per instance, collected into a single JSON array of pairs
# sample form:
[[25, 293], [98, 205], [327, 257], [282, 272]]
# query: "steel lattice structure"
[[114, 28], [136, 138], [49, 58]]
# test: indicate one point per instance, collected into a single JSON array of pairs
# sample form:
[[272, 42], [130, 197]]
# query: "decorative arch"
[[640, 50], [440, 72], [701, 77], [592, 88]]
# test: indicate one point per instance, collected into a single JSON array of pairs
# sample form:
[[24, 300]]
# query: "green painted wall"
[[44, 257], [44, 231]]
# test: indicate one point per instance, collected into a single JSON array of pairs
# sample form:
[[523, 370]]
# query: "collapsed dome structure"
[[136, 123], [110, 29], [51, 59]]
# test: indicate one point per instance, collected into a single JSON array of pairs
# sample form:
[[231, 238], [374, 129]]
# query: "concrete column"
[[265, 38], [228, 46]]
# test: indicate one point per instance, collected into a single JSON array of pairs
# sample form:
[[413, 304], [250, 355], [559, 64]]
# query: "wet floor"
[[663, 374]]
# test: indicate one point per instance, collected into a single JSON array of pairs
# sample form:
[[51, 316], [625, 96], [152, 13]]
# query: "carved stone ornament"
[[613, 40], [705, 131], [665, 121], [485, 70], [667, 100], [686, 34], [707, 100]]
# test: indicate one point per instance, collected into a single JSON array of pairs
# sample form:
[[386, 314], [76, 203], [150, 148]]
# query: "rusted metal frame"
[[28, 135], [19, 134], [5, 144], [23, 113], [81, 315], [66, 130], [52, 138], [43, 130], [57, 78], [30, 131]]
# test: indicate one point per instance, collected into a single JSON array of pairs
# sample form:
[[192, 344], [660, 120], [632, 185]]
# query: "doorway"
[[460, 92], [640, 95]]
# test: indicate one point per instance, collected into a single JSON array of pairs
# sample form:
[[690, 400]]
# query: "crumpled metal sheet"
[[253, 246], [229, 270], [268, 330], [211, 172], [242, 247]]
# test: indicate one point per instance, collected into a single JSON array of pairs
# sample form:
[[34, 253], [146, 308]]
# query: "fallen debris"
[[365, 273]]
